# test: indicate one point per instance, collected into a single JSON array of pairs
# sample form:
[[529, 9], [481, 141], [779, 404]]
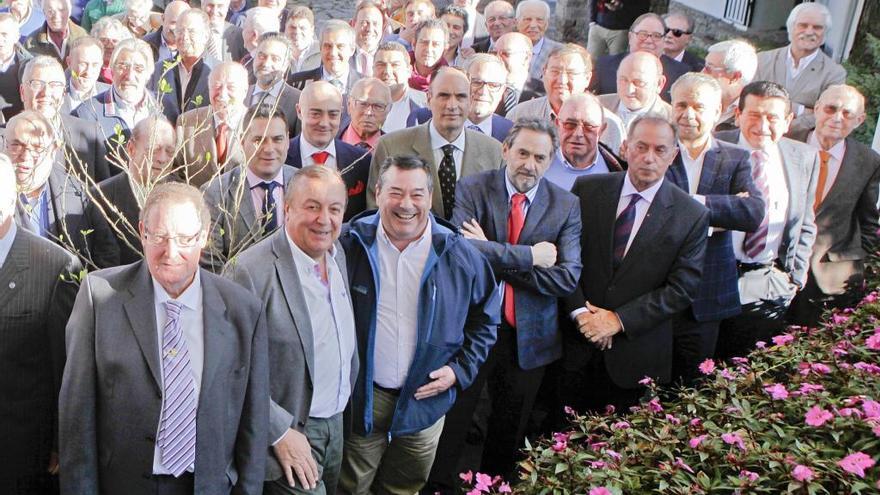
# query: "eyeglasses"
[[365, 105], [644, 35], [845, 112], [678, 33], [714, 70], [123, 66], [639, 83], [37, 85], [571, 74], [477, 84], [573, 125], [184, 241], [17, 148]]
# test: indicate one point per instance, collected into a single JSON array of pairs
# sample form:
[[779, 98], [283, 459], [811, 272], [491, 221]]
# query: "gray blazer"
[[481, 152], [268, 270], [235, 223], [536, 68], [805, 90], [801, 164], [111, 393], [287, 101]]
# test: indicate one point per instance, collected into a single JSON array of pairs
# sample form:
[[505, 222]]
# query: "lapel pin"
[[11, 285]]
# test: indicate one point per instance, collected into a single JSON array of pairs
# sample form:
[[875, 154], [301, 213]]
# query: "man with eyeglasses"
[[580, 123], [845, 204], [532, 20], [369, 25], [733, 64], [645, 35], [500, 20], [83, 152], [320, 111], [680, 32], [109, 32], [391, 65], [639, 82], [271, 63], [515, 50], [54, 36], [12, 59], [609, 22], [432, 38], [568, 72], [162, 392], [367, 106], [85, 61]]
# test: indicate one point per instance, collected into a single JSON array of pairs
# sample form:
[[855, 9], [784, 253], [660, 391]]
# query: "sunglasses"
[[678, 33]]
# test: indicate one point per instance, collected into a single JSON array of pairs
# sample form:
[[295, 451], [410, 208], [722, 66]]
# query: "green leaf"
[[164, 87]]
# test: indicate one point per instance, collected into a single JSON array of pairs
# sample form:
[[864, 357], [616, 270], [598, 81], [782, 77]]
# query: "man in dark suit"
[[642, 250], [12, 59], [515, 50], [313, 361], [718, 175], [166, 386], [368, 106], [85, 61], [163, 41], [246, 203], [845, 206], [226, 42], [183, 87], [337, 46], [679, 33], [529, 229], [270, 68], [646, 34], [773, 260], [39, 289], [320, 111], [500, 20], [113, 209]]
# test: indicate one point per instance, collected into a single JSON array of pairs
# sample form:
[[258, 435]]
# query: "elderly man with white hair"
[[54, 36], [257, 22], [733, 64], [801, 67], [532, 20], [163, 40], [138, 17], [109, 32]]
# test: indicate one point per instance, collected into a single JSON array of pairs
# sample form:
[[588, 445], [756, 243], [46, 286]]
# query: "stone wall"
[[709, 30]]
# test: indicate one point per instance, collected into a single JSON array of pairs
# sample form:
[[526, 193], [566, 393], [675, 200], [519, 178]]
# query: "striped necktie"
[[623, 229], [177, 428], [755, 242]]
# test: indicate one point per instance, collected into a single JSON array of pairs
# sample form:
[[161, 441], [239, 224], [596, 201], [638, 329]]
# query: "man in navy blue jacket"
[[426, 311]]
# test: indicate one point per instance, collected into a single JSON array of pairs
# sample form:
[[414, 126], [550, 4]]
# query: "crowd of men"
[[240, 254]]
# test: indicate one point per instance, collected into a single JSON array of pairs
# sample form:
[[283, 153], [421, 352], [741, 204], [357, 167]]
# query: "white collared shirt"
[[437, 143], [835, 160], [258, 194], [777, 209], [192, 325], [693, 167], [303, 55], [185, 76], [343, 79], [793, 71], [485, 126], [4, 65], [397, 309], [400, 110], [6, 243], [333, 336], [642, 206], [272, 94], [306, 150], [679, 57], [131, 114]]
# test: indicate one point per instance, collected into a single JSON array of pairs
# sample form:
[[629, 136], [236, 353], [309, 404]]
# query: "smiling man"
[[337, 47], [271, 63]]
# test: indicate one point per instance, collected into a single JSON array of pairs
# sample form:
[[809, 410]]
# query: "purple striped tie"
[[177, 428], [755, 242], [623, 228]]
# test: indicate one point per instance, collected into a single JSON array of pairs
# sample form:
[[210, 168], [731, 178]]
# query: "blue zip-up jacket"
[[458, 316]]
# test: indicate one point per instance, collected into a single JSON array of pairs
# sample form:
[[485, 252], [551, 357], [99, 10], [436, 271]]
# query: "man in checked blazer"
[[473, 152], [37, 297], [846, 207], [541, 265], [718, 175]]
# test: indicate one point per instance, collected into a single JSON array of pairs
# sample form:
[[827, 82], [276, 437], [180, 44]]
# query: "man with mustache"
[[801, 67], [271, 63]]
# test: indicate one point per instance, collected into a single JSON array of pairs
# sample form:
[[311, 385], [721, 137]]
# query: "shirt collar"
[[191, 297], [648, 194], [254, 180], [6, 243], [485, 125], [303, 261], [274, 90], [351, 136], [536, 48], [686, 156], [772, 152], [837, 151], [424, 238], [804, 62], [438, 141], [565, 163], [511, 189]]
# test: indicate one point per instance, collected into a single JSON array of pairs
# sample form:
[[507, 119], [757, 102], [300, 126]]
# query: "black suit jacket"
[[481, 45], [695, 62], [34, 306], [605, 74], [114, 213], [177, 101], [86, 148], [657, 279], [10, 81], [354, 165]]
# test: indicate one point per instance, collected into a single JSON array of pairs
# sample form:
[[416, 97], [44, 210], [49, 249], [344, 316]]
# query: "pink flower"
[[872, 297], [748, 475], [474, 492], [654, 405], [620, 425], [467, 477], [504, 488], [727, 375], [609, 409], [856, 463], [809, 388], [849, 411], [817, 416], [739, 360], [870, 368], [733, 439], [672, 419], [839, 319], [873, 342], [484, 482], [871, 408], [876, 430], [760, 344], [707, 367], [600, 491], [559, 446], [646, 381], [598, 465], [683, 465], [612, 454], [820, 368], [696, 422], [696, 441], [781, 340], [777, 391], [802, 473]]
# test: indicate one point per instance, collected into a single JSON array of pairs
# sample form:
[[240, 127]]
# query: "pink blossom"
[[467, 477], [559, 446], [609, 409], [707, 367], [839, 319], [568, 410], [739, 360], [856, 463], [672, 419], [504, 488], [760, 344], [873, 342], [802, 473], [733, 439], [804, 369], [612, 454], [646, 381], [820, 368], [474, 492], [696, 422], [620, 425], [683, 465], [876, 430], [817, 416], [748, 475], [871, 408], [777, 391], [598, 465], [727, 375], [872, 297], [484, 482], [696, 441], [654, 405], [849, 411], [867, 367], [781, 340], [600, 491], [809, 388]]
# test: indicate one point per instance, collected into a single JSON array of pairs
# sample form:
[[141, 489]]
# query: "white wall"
[[714, 8]]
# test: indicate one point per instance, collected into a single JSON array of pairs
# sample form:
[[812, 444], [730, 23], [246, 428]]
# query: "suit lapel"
[[422, 147], [709, 170], [847, 174], [11, 274], [142, 317], [606, 202], [652, 225], [677, 172], [191, 86], [500, 206], [291, 287], [535, 215], [217, 334], [242, 193]]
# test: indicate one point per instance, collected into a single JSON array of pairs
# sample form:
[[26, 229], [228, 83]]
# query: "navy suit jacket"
[[605, 74], [354, 165], [500, 125], [555, 217], [726, 172], [176, 101]]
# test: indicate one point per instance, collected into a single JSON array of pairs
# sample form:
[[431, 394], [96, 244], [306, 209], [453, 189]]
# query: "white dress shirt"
[[693, 168], [437, 143], [258, 194], [306, 150], [777, 207], [192, 325], [485, 126], [185, 77], [397, 310], [835, 160], [129, 113], [6, 243], [332, 319]]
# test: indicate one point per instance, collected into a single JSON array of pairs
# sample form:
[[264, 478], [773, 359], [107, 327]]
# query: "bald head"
[[839, 111], [515, 49], [639, 80], [227, 87], [320, 110]]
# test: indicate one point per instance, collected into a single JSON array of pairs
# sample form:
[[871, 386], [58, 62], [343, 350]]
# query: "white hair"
[[527, 3], [807, 7], [335, 25], [130, 4], [135, 45], [739, 56], [107, 24], [262, 20]]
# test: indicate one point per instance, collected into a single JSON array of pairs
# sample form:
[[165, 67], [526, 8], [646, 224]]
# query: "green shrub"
[[863, 72]]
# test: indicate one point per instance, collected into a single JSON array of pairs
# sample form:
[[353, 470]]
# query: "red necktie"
[[222, 141], [515, 222], [320, 157]]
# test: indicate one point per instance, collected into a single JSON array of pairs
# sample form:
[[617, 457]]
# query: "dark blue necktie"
[[623, 228], [269, 214]]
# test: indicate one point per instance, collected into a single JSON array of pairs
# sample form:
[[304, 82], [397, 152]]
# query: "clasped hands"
[[598, 325]]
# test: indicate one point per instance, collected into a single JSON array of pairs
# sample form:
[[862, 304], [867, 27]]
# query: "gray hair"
[[166, 193], [692, 79], [334, 26], [486, 58], [526, 3], [534, 124], [106, 24], [262, 17], [739, 56], [39, 62], [652, 118], [147, 126], [807, 7], [138, 46], [688, 19]]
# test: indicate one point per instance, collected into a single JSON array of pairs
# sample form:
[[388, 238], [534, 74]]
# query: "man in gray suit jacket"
[[444, 144], [845, 205], [802, 67], [532, 20], [270, 69], [773, 260], [166, 387], [313, 364]]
